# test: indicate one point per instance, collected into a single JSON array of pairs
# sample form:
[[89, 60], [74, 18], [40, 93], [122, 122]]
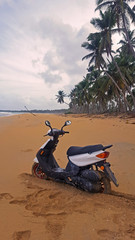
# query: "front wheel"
[[37, 171]]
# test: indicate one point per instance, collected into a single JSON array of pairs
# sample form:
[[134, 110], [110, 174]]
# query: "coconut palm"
[[60, 97], [76, 97], [97, 46], [93, 46], [126, 63], [95, 94], [105, 24], [125, 48], [122, 12], [109, 83]]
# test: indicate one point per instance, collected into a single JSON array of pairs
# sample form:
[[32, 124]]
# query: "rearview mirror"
[[47, 123], [67, 123]]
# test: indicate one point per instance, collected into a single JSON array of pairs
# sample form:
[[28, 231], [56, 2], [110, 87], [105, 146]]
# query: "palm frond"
[[103, 5], [130, 12], [88, 56]]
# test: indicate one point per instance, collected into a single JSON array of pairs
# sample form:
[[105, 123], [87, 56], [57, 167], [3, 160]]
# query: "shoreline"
[[61, 112]]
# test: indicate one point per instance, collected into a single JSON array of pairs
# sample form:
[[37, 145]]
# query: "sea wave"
[[6, 114]]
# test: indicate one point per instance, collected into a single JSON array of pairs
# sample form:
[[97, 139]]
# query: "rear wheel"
[[105, 185], [37, 171]]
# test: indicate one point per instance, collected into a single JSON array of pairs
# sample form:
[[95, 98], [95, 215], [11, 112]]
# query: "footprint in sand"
[[22, 235], [19, 202], [48, 214], [7, 196], [52, 196], [32, 186], [107, 234], [27, 150]]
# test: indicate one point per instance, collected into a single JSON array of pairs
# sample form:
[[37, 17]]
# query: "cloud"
[[50, 78], [41, 52], [65, 52], [9, 2]]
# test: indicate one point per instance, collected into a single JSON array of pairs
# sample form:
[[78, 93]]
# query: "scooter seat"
[[81, 150]]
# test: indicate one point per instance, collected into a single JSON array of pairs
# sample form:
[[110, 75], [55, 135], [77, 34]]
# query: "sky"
[[40, 50]]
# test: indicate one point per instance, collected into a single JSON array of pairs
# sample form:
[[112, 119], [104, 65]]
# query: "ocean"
[[6, 114]]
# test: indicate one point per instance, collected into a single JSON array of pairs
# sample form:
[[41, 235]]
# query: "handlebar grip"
[[66, 132]]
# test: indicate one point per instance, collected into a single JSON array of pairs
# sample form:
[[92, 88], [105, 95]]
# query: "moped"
[[87, 168]]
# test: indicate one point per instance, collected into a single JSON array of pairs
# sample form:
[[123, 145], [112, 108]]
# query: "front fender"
[[36, 160]]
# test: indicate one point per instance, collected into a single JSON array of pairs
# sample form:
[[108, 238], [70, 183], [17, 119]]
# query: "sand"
[[34, 209]]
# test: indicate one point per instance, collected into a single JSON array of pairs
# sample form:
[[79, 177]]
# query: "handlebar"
[[54, 132], [66, 132]]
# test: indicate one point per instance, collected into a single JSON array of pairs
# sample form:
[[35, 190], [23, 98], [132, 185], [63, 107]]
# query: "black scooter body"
[[83, 177], [80, 177]]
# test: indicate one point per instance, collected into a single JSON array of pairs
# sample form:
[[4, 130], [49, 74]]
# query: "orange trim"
[[102, 167], [42, 152]]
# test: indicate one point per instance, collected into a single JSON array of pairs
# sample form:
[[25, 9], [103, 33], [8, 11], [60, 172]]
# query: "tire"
[[106, 185], [37, 171]]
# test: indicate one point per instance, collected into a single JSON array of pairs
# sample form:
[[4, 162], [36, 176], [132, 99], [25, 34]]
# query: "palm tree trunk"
[[124, 81], [124, 99], [66, 103], [121, 107]]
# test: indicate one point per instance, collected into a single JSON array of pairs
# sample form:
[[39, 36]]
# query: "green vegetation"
[[109, 85]]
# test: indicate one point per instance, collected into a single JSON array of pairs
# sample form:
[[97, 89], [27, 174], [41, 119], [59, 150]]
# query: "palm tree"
[[125, 48], [97, 58], [99, 91], [105, 24], [95, 94], [113, 71], [76, 97], [93, 46], [60, 97], [126, 63], [97, 50], [122, 12]]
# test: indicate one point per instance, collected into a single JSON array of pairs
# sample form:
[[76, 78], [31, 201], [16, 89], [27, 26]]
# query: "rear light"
[[103, 155]]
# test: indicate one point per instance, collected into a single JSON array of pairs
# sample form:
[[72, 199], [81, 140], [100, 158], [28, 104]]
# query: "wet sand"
[[37, 209]]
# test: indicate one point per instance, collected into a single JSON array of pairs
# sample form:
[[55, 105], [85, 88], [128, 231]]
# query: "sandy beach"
[[34, 209]]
